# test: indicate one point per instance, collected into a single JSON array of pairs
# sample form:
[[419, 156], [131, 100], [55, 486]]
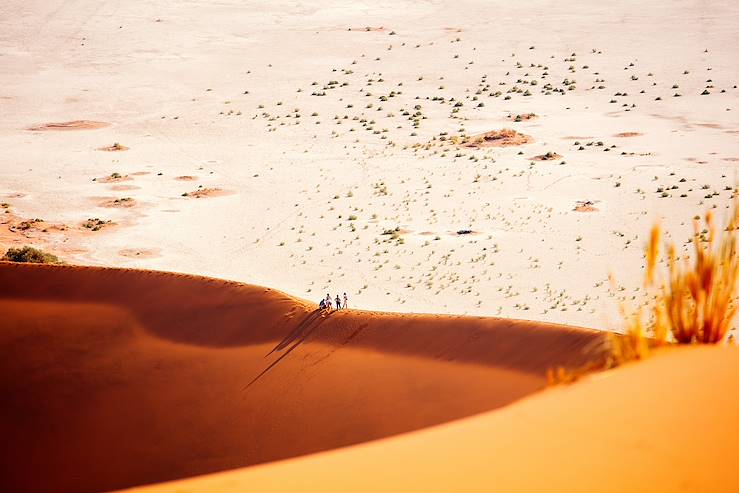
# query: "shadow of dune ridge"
[[112, 378]]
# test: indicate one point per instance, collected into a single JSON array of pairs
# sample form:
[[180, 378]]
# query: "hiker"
[[338, 302], [322, 304], [346, 301], [328, 301]]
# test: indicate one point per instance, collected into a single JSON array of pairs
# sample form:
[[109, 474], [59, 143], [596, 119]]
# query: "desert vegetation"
[[458, 132], [30, 255], [498, 138], [116, 146], [96, 224], [692, 300]]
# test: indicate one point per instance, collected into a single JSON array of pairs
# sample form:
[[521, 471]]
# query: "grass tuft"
[[692, 300], [696, 302]]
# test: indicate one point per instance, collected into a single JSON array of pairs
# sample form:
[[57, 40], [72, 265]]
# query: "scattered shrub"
[[30, 255], [95, 224]]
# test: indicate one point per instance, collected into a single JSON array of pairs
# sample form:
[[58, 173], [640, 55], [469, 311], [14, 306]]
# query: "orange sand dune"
[[116, 378], [668, 424]]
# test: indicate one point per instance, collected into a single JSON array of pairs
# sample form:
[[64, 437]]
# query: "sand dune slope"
[[117, 378], [668, 424]]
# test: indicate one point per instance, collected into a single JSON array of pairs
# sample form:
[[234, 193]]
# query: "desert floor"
[[330, 146]]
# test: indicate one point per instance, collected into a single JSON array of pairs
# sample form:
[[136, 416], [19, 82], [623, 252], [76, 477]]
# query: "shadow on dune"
[[209, 312], [298, 335], [304, 327], [115, 378]]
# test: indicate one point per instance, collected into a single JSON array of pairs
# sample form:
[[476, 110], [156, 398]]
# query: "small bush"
[[30, 255], [95, 224]]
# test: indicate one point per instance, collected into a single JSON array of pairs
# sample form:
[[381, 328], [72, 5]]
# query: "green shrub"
[[30, 254]]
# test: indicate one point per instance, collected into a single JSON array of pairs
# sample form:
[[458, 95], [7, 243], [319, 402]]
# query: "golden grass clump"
[[694, 304]]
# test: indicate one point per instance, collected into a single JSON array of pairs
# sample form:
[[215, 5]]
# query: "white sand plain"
[[213, 89]]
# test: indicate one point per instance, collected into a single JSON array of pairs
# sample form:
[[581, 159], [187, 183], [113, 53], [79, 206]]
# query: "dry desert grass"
[[692, 301]]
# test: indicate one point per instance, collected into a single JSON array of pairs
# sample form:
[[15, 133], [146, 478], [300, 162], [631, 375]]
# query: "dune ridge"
[[114, 378]]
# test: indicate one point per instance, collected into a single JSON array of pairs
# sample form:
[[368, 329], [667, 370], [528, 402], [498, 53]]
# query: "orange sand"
[[117, 378], [668, 424]]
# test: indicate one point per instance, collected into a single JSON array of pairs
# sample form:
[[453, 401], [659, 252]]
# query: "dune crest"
[[116, 378]]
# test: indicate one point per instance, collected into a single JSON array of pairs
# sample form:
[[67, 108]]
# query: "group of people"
[[327, 304]]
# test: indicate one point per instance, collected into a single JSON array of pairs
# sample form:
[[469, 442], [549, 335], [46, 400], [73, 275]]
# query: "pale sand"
[[181, 85]]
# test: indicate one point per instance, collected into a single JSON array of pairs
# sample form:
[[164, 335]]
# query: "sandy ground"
[[310, 129], [120, 378], [117, 378], [634, 429]]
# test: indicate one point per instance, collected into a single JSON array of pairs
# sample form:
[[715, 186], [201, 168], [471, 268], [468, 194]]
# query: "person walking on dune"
[[346, 301], [338, 302], [328, 302]]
